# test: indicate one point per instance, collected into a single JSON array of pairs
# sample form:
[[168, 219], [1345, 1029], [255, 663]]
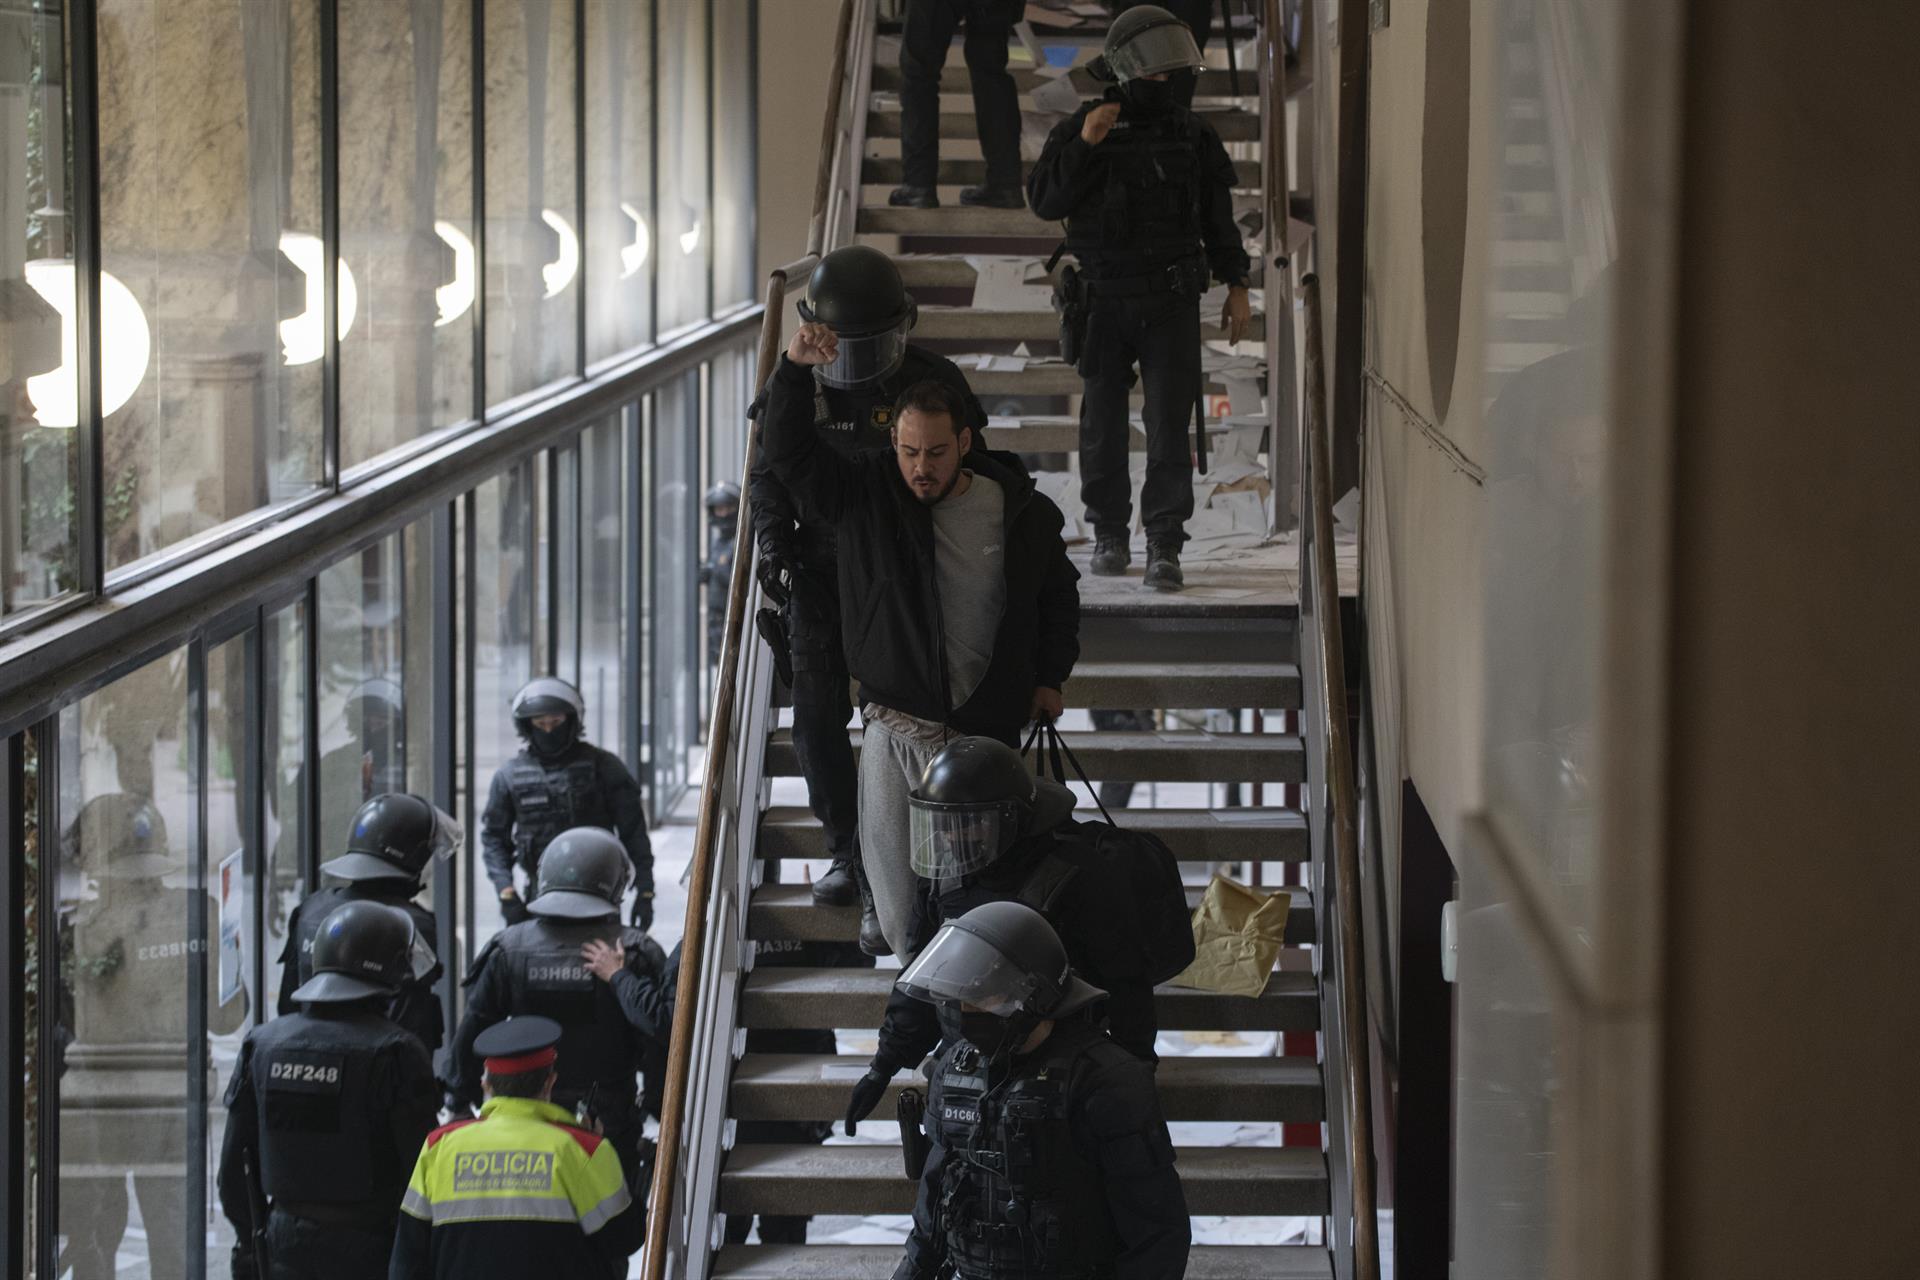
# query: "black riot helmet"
[[363, 949], [583, 875], [1001, 970], [393, 837], [973, 799], [548, 696], [376, 709], [857, 292], [1147, 40], [723, 500]]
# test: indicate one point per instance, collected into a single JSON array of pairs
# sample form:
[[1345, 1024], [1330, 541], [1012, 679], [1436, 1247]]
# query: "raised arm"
[[822, 482], [1065, 173]]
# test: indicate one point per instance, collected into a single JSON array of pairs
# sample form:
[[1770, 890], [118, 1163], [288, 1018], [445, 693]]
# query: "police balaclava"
[[1148, 97], [548, 696]]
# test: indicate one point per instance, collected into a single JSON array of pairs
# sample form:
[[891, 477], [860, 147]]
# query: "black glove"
[[513, 910], [866, 1096], [243, 1266], [643, 911], [455, 1106], [775, 569]]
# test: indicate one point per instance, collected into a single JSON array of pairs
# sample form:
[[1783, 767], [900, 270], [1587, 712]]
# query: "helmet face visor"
[[961, 967], [448, 834], [951, 840], [1167, 47], [420, 957], [864, 358]]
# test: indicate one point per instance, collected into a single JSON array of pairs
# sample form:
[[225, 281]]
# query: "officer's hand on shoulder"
[[813, 343], [604, 961], [1099, 123]]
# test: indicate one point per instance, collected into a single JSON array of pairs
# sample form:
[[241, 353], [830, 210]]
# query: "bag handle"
[[1053, 744]]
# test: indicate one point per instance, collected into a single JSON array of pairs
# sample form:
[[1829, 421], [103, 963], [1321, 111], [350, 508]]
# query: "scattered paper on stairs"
[[1243, 394], [1011, 284], [1058, 95]]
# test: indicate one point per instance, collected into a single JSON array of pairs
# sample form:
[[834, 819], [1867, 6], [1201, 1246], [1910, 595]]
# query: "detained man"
[[958, 603]]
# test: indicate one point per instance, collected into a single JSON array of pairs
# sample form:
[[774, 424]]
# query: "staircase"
[[1234, 1070]]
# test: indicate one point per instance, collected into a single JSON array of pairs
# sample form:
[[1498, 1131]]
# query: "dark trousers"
[[1162, 333], [299, 1249], [996, 102], [822, 706]]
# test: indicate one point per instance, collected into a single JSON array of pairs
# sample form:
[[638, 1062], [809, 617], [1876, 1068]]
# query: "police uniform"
[[417, 1008], [520, 1191], [324, 1108], [716, 574], [1149, 214], [609, 1031], [852, 420], [533, 799]]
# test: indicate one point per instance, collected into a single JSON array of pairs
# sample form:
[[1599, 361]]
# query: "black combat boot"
[[1163, 567], [873, 941], [1110, 556], [994, 197], [836, 887], [914, 198]]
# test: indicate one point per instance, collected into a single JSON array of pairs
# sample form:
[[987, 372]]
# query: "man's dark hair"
[[521, 1084], [931, 396]]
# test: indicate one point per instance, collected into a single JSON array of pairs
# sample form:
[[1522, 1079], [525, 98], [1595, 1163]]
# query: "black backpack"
[[1158, 899]]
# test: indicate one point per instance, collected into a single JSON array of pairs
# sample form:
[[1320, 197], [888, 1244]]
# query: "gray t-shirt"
[[970, 570]]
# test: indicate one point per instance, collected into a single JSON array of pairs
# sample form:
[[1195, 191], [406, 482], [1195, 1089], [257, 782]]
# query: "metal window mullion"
[[47, 812], [478, 108], [195, 1237], [580, 554], [253, 798], [548, 521], [653, 183], [445, 647], [330, 240], [310, 746], [90, 483], [633, 540], [711, 212], [13, 1031], [580, 217], [469, 613]]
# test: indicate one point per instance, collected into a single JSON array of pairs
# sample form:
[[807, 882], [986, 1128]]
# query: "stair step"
[[1232, 126], [958, 80], [778, 1178], [1034, 380], [954, 220], [1194, 835], [788, 999], [877, 1261], [784, 1086], [1192, 684], [787, 913], [888, 171], [967, 324], [1185, 756]]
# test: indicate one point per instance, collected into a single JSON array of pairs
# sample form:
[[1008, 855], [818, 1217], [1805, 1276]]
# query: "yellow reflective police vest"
[[522, 1160]]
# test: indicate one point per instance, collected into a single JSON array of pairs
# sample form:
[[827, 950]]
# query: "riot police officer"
[[858, 293], [328, 1107], [716, 573], [1048, 1156], [393, 839], [557, 782], [610, 1028], [986, 830], [1146, 190], [926, 37]]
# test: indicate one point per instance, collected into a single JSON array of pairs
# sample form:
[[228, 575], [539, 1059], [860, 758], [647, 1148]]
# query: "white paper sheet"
[[1243, 394], [1058, 94]]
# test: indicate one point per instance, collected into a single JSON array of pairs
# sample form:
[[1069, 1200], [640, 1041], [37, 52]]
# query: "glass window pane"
[[533, 222], [363, 713], [620, 223], [230, 937], [211, 310], [686, 230], [406, 220], [566, 583], [674, 535], [38, 535], [127, 951], [603, 583], [283, 642], [501, 645], [734, 107]]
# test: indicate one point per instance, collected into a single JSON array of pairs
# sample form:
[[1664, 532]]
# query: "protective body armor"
[[599, 1051], [1019, 1199], [551, 797], [324, 1137], [1145, 213], [417, 1008]]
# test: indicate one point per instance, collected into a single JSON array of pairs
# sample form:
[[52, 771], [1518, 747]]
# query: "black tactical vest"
[[1145, 212], [599, 1049], [1019, 1200], [549, 798], [324, 1136], [417, 1008]]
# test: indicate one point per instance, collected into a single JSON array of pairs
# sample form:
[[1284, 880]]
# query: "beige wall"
[[796, 54]]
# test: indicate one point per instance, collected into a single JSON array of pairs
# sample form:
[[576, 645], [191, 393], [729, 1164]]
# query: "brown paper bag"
[[1237, 935]]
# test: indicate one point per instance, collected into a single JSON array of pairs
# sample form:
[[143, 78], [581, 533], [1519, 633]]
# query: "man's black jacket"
[[889, 601], [1087, 914], [851, 419]]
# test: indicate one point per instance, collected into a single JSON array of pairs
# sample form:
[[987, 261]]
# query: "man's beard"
[[939, 497]]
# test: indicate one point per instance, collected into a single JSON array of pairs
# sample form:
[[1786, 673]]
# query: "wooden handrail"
[[680, 1046], [1283, 433], [1343, 801]]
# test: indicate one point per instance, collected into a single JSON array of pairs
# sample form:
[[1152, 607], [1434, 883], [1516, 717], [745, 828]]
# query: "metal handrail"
[[1283, 435], [1320, 608], [680, 1048]]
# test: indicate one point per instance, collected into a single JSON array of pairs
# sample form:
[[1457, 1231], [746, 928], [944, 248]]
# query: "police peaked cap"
[[518, 1044]]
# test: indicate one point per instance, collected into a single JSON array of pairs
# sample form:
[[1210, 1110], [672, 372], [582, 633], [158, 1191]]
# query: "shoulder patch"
[[587, 1138], [449, 1127], [883, 415]]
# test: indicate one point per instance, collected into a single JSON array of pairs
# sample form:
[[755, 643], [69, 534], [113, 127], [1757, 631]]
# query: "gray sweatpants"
[[890, 767]]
